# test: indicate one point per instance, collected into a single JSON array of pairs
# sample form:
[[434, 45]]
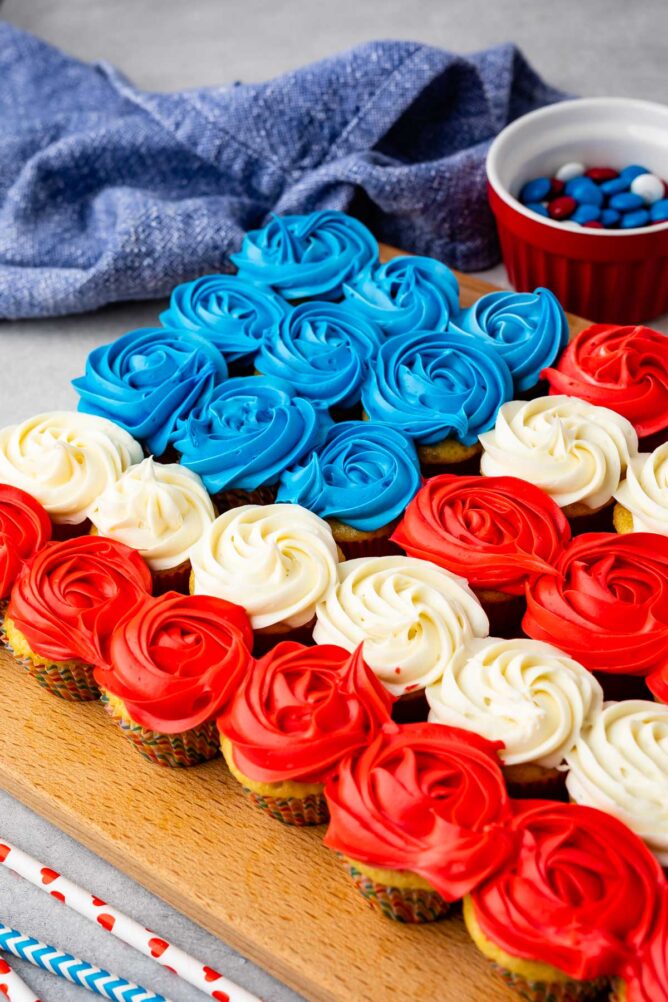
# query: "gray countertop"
[[606, 47]]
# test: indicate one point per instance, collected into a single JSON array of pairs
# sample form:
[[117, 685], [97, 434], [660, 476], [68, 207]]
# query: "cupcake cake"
[[642, 497], [360, 480], [251, 430], [620, 765], [419, 818], [294, 717], [528, 696], [65, 461], [64, 607], [161, 510], [645, 979], [442, 389], [25, 528], [172, 667]]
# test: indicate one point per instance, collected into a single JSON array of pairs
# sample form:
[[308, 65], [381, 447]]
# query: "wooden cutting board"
[[271, 892]]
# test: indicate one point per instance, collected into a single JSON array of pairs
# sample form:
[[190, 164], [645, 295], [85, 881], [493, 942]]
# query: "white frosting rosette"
[[277, 561], [410, 615], [160, 509], [65, 460], [644, 492], [528, 694], [575, 451], [620, 765]]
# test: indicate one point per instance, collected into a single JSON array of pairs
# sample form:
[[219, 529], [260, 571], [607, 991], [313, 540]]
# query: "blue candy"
[[633, 171], [535, 190], [610, 217], [659, 211], [585, 214], [537, 207], [626, 201], [616, 185], [632, 219], [584, 190]]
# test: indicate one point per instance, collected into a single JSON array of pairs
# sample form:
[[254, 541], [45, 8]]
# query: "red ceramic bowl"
[[611, 276]]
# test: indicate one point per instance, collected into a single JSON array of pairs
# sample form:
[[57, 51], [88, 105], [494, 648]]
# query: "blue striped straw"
[[100, 982]]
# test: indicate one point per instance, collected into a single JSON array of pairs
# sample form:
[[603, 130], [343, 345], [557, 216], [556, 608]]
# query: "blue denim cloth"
[[108, 192]]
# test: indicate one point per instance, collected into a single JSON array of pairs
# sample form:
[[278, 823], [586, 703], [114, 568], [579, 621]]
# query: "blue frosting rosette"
[[528, 329], [247, 432], [309, 256], [324, 350], [437, 384], [406, 294], [364, 474], [233, 314], [148, 380]]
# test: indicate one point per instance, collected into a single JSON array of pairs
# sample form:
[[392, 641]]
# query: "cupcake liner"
[[173, 579], [550, 991], [4, 605], [263, 642], [71, 680], [411, 708], [504, 612], [298, 811], [63, 531], [550, 786], [236, 497], [583, 520], [368, 545], [173, 751], [617, 686], [403, 904]]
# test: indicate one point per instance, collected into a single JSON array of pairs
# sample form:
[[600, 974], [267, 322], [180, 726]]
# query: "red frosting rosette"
[[301, 710], [646, 977], [423, 798], [24, 529], [177, 660], [71, 595], [582, 892], [494, 531], [623, 368], [608, 605], [658, 684]]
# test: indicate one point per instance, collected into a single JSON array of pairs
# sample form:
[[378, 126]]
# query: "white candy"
[[569, 171], [648, 186]]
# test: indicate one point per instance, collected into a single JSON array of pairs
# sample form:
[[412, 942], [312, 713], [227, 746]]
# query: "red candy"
[[562, 208], [594, 224], [601, 174], [557, 187]]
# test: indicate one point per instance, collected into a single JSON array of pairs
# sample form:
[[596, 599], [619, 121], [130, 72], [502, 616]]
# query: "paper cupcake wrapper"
[[374, 546], [550, 991], [403, 904], [72, 681], [297, 811], [172, 751], [175, 579], [551, 787], [235, 497]]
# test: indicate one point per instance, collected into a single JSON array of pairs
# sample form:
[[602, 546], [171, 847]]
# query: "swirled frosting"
[[571, 449], [528, 329], [160, 509], [410, 615], [623, 368], [234, 315], [408, 293], [646, 977], [495, 531], [644, 491], [581, 893], [148, 379], [65, 460], [364, 474], [527, 695], [73, 594], [24, 529], [607, 606], [434, 385], [424, 799], [300, 710], [307, 256], [323, 350], [277, 561], [177, 661], [251, 429], [620, 765]]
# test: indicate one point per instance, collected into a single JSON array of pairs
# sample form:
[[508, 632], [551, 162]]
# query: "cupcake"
[[172, 667], [645, 978], [622, 368], [408, 293], [576, 452], [65, 460], [619, 764], [442, 389], [160, 509], [527, 695], [251, 429], [293, 719], [360, 480], [419, 818], [642, 497], [497, 532], [307, 257], [277, 561], [149, 379], [410, 615], [25, 528], [578, 899], [657, 683], [528, 329], [234, 315], [64, 606]]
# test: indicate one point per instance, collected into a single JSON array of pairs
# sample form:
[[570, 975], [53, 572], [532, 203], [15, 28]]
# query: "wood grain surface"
[[272, 892]]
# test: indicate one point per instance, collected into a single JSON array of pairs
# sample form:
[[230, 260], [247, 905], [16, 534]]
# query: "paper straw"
[[193, 971], [12, 987], [79, 972]]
